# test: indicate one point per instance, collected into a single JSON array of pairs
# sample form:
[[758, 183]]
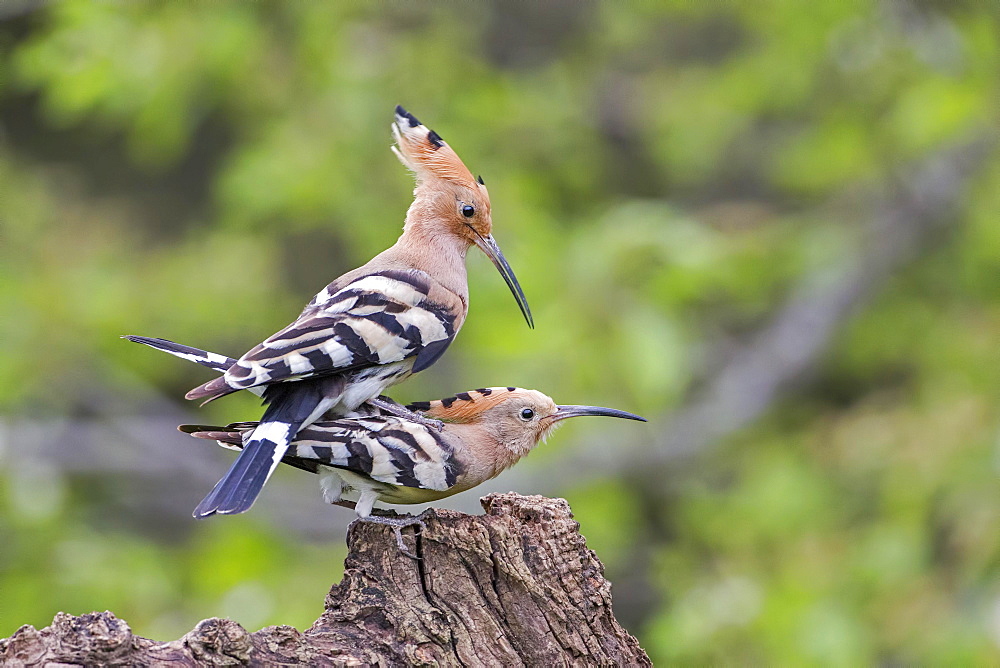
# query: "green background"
[[725, 216]]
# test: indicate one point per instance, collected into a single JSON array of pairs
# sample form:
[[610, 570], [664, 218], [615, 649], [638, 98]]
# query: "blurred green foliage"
[[662, 176]]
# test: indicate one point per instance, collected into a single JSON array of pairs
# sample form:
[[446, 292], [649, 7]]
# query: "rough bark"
[[516, 586]]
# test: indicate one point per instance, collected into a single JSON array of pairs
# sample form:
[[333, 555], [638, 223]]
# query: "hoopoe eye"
[[468, 211], [527, 414]]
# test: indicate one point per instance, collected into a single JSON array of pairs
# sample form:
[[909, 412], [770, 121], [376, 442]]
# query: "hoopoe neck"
[[439, 253], [484, 454]]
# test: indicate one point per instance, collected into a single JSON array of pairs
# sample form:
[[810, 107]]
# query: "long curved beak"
[[564, 412], [489, 246]]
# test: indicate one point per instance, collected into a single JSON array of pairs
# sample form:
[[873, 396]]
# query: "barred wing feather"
[[376, 319], [389, 450]]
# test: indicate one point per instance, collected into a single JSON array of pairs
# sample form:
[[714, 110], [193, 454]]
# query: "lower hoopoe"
[[395, 460]]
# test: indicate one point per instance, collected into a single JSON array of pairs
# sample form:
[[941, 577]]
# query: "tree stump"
[[514, 587]]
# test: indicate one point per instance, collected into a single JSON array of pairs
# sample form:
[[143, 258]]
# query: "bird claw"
[[393, 408], [398, 524], [402, 545], [425, 421]]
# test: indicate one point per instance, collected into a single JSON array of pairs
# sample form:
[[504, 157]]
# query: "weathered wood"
[[514, 587]]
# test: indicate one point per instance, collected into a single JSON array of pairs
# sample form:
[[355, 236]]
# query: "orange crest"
[[424, 152], [469, 406]]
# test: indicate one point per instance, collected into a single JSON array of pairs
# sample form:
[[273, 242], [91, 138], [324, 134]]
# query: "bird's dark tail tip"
[[242, 484]]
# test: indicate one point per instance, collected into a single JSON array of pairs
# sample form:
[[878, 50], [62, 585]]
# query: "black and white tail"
[[202, 357], [290, 406]]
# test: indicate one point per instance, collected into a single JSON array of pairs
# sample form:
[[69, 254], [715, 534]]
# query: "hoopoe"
[[395, 460], [370, 328]]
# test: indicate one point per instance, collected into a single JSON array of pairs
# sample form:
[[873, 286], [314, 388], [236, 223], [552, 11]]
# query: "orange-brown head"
[[514, 418], [447, 198]]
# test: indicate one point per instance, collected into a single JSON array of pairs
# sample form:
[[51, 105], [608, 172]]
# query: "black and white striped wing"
[[387, 449], [376, 319]]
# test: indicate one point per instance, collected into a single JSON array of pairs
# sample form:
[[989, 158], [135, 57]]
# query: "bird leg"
[[399, 410], [333, 487], [398, 523]]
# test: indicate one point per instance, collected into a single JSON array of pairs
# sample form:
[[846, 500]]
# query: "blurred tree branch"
[[788, 346], [780, 354]]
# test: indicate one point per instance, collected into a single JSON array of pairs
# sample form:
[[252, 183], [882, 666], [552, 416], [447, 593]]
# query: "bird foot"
[[397, 524], [399, 410]]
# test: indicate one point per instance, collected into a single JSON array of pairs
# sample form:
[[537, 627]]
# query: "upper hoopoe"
[[373, 326], [396, 460]]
